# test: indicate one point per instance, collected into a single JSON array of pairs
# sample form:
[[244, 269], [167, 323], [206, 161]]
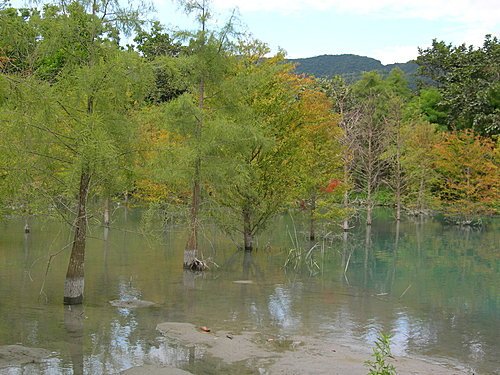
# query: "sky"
[[388, 30]]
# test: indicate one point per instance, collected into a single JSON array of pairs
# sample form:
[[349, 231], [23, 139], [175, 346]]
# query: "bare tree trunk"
[[420, 203], [312, 218], [190, 252], [369, 175], [345, 225], [106, 212], [345, 259], [369, 205], [398, 204], [247, 230], [74, 283], [399, 172]]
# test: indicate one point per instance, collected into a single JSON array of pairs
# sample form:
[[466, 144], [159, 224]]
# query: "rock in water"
[[131, 304]]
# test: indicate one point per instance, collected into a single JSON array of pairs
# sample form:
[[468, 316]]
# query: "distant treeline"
[[348, 66]]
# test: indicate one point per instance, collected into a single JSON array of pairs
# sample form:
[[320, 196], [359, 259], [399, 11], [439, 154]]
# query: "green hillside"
[[348, 66]]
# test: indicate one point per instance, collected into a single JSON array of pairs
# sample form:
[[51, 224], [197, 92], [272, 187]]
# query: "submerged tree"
[[75, 115], [417, 163], [261, 149], [208, 58], [321, 168], [394, 120], [344, 105], [371, 137]]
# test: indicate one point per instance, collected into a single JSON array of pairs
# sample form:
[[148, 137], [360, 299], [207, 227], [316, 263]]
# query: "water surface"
[[435, 288]]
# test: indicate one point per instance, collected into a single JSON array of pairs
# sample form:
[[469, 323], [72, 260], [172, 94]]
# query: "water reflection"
[[436, 289], [73, 323], [280, 307]]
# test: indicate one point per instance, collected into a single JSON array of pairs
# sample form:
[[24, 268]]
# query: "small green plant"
[[381, 352]]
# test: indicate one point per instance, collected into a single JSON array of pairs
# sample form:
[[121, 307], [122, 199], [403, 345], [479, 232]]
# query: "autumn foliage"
[[467, 166]]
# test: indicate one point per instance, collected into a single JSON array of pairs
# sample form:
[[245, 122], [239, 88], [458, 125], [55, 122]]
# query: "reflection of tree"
[[394, 256], [188, 280], [105, 256], [73, 322], [251, 269], [368, 245]]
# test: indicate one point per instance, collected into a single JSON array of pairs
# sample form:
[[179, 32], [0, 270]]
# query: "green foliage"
[[72, 99], [70, 38], [171, 72], [19, 29], [468, 80], [381, 353], [429, 103], [261, 146], [156, 43], [417, 162], [72, 113]]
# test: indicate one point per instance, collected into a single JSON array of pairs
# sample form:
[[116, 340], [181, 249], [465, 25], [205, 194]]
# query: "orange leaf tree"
[[320, 136], [468, 179]]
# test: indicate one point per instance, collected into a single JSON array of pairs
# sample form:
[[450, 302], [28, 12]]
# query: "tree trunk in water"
[[190, 252], [369, 214], [399, 174], [247, 230], [126, 206], [345, 225], [106, 212], [27, 228], [369, 176], [345, 259], [369, 206], [312, 219], [74, 283], [399, 180], [420, 202]]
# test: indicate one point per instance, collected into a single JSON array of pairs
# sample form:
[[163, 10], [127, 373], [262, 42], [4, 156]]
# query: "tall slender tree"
[[75, 114], [371, 137], [344, 105], [208, 50]]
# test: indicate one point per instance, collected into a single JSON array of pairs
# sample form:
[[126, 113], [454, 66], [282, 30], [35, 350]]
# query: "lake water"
[[435, 288]]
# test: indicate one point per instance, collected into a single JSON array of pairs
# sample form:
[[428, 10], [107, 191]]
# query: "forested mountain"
[[348, 66]]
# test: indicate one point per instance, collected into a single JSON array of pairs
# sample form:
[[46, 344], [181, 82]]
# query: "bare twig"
[[402, 294]]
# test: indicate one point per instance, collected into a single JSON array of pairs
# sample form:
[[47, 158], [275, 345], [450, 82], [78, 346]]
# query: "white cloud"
[[469, 11], [393, 54], [471, 19]]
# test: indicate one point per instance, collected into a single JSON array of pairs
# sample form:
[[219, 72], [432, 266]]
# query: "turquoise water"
[[435, 288]]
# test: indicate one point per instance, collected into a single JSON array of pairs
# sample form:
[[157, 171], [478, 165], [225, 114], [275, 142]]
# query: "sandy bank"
[[18, 355], [296, 355]]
